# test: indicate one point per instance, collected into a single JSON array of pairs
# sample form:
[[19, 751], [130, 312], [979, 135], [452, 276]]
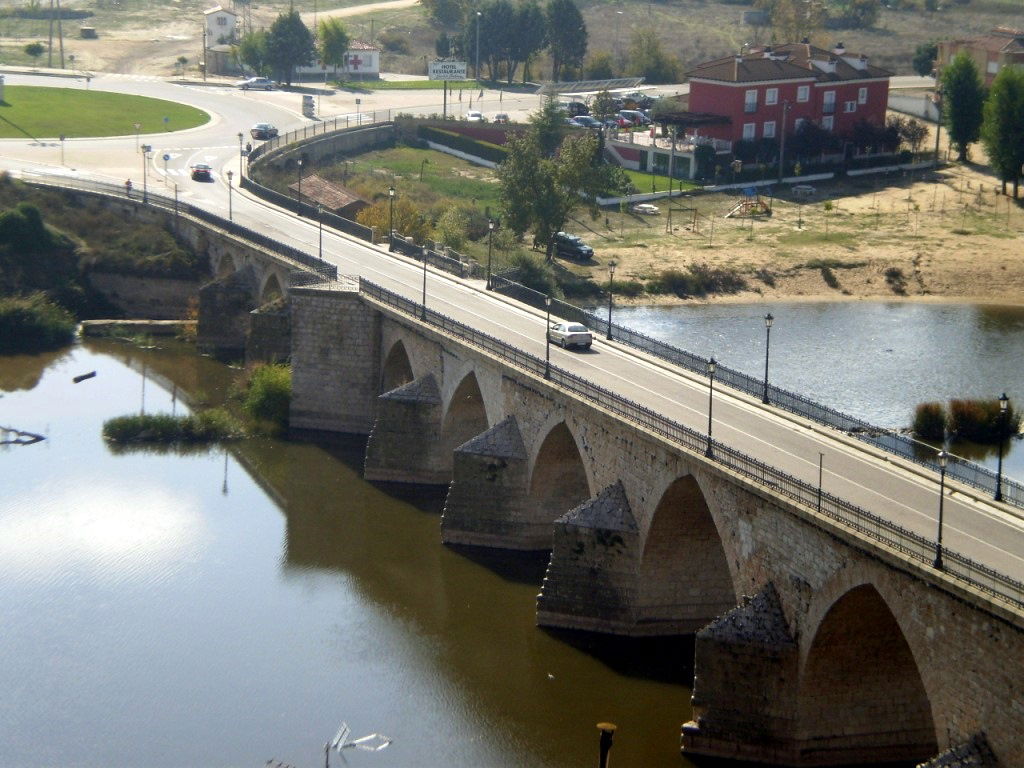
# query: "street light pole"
[[490, 235], [782, 139], [230, 215], [391, 218], [145, 162], [138, 127], [299, 161], [320, 225], [240, 156], [1004, 403], [711, 397], [768, 320], [478, 14], [943, 462], [547, 339], [611, 284], [938, 120], [423, 253]]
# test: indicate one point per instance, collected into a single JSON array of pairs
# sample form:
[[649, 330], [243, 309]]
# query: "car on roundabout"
[[645, 209], [263, 131], [474, 116], [256, 84], [501, 117], [567, 335], [202, 172]]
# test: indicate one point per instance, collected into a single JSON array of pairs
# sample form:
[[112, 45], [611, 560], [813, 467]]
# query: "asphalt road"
[[992, 534]]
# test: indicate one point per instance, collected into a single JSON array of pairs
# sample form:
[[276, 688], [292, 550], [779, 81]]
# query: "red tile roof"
[[795, 61]]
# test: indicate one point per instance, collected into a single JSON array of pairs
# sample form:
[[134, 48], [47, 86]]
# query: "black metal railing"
[[865, 523], [883, 439]]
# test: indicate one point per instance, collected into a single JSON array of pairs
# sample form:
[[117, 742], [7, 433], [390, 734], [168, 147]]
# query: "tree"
[[599, 66], [35, 50], [333, 43], [252, 52], [289, 45], [604, 105], [408, 220], [548, 125], [443, 46], [567, 36], [181, 62], [794, 20], [864, 13], [924, 58], [963, 98], [911, 132], [447, 13], [451, 227], [1002, 131], [648, 60], [531, 35]]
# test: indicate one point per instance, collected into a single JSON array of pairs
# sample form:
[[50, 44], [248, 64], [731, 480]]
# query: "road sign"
[[166, 157], [443, 69]]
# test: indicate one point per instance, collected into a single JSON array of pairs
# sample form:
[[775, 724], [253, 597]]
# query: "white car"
[[570, 335], [474, 117], [645, 209], [256, 83]]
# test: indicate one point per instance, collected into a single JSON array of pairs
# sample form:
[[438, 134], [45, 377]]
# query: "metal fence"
[[917, 547], [437, 259], [320, 129], [884, 439]]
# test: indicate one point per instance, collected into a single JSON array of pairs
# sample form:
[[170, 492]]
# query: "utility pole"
[[60, 34], [782, 140]]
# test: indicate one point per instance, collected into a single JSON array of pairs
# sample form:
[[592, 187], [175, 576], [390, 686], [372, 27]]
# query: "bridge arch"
[[685, 576], [558, 478], [271, 289], [465, 416], [397, 368], [861, 695], [226, 266]]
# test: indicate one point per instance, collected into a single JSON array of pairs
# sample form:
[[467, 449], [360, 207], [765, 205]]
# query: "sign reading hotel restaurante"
[[444, 69]]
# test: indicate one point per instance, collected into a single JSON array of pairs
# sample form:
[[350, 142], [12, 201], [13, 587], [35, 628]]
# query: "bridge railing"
[[866, 523], [884, 439], [319, 129], [437, 259]]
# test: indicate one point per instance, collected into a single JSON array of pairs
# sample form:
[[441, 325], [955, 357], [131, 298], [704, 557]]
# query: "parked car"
[[635, 116], [570, 335], [645, 209], [572, 247], [202, 172], [577, 108], [263, 131], [257, 84], [474, 116], [623, 122], [501, 117], [587, 121]]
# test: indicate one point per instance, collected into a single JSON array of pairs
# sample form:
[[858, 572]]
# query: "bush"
[[453, 140], [534, 273], [33, 323], [697, 280], [980, 421], [829, 277], [204, 427], [929, 421], [268, 394]]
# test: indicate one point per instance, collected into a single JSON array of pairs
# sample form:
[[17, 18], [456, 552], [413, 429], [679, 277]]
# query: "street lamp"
[[768, 320], [145, 161], [230, 175], [737, 166], [490, 237], [299, 161], [547, 339], [423, 254], [611, 283], [943, 458], [320, 225], [138, 127], [618, 30], [240, 155], [391, 218], [425, 161], [937, 99], [1004, 404], [711, 394], [478, 14]]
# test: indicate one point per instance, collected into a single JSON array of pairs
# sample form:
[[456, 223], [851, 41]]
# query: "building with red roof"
[[1002, 47]]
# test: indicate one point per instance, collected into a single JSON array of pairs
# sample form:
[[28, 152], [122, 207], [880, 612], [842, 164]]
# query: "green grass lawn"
[[75, 112], [642, 181]]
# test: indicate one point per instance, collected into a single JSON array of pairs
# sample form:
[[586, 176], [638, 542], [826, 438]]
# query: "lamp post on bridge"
[[611, 284], [490, 237], [241, 155], [145, 162], [711, 397], [943, 458], [423, 253], [299, 161], [1004, 404], [230, 175], [547, 339], [320, 226], [768, 320], [391, 218]]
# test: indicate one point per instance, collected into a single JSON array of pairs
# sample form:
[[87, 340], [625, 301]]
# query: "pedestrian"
[[128, 187]]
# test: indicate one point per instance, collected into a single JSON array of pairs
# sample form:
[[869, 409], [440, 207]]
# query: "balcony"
[[829, 108]]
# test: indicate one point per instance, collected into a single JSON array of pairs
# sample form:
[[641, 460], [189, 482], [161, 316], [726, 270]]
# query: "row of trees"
[[995, 117], [288, 44]]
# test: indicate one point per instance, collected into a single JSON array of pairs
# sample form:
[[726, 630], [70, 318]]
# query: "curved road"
[[987, 532]]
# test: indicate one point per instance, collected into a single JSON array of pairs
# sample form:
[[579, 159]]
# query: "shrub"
[[268, 394], [482, 149], [697, 280], [829, 277], [393, 41], [203, 427], [33, 323], [533, 273], [895, 279], [929, 421], [980, 420]]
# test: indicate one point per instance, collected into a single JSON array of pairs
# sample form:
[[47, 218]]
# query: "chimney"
[[840, 49]]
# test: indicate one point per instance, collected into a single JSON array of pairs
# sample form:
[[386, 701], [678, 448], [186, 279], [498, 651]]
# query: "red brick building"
[[770, 90]]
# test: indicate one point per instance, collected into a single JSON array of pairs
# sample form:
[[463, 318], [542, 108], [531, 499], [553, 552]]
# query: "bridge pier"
[[406, 436], [224, 307]]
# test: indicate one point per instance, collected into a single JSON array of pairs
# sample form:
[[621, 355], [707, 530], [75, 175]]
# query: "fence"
[[437, 259], [886, 440], [863, 522], [319, 129]]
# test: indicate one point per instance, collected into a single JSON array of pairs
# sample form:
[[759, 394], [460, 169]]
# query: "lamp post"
[[145, 162], [240, 156], [611, 283], [547, 339], [477, 70], [138, 127], [299, 161], [1004, 404], [768, 320], [230, 175], [937, 99], [782, 140], [490, 237], [618, 30], [711, 396], [320, 226], [391, 218], [423, 313], [737, 166], [425, 161], [943, 463], [607, 732]]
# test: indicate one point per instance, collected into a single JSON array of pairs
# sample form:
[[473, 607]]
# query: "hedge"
[[481, 149]]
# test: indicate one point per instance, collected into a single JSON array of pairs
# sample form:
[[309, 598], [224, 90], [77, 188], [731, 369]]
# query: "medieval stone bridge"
[[817, 641]]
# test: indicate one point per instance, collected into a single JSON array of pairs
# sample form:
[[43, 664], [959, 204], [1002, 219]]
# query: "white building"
[[221, 26], [362, 62]]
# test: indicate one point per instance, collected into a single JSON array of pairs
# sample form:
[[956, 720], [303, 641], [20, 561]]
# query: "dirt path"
[[359, 10]]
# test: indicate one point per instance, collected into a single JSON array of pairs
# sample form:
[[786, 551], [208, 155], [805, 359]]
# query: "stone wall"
[[150, 298]]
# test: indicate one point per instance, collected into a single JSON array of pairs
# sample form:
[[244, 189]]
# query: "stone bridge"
[[815, 645]]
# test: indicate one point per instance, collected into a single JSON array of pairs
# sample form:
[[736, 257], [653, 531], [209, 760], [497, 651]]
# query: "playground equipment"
[[752, 204]]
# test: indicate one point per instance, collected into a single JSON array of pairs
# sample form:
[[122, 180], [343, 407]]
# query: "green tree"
[[443, 46], [530, 37], [252, 52], [924, 58], [289, 45], [548, 125], [864, 13], [35, 50], [1002, 131], [604, 105], [648, 60], [794, 20], [408, 220], [600, 66], [567, 36], [963, 97], [447, 13], [333, 43], [451, 227]]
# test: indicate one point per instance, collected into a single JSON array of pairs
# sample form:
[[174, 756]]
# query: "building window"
[[222, 21], [850, 106], [993, 67], [830, 103], [803, 93], [750, 102], [771, 96], [862, 96], [749, 131], [826, 122], [769, 130], [799, 124]]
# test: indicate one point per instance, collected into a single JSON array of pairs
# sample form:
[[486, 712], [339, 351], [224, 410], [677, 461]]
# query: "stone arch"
[[271, 289], [861, 695], [558, 480], [685, 578], [226, 266], [465, 416], [397, 369]]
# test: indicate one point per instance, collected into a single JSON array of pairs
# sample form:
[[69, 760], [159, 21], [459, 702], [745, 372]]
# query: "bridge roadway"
[[989, 533]]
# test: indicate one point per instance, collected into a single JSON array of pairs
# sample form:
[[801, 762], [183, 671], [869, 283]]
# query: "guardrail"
[[987, 580], [886, 440]]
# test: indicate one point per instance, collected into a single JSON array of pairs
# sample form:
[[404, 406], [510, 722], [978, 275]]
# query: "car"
[[202, 172], [501, 117], [577, 108], [586, 121], [256, 84], [572, 247], [645, 209], [635, 116], [263, 131], [623, 122], [474, 117], [568, 335]]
